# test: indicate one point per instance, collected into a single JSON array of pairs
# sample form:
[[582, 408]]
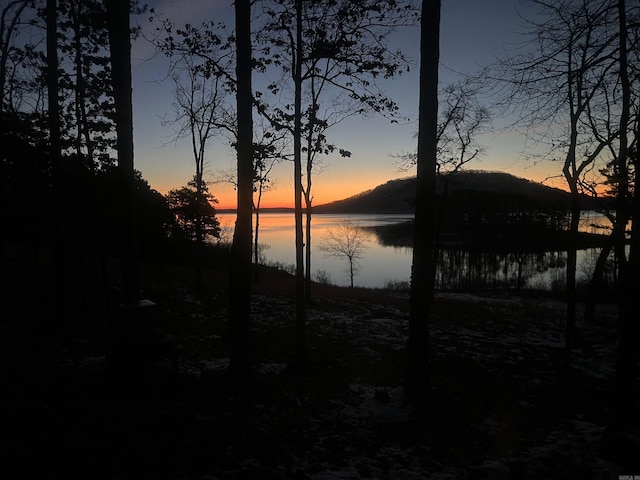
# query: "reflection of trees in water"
[[398, 235], [480, 258], [477, 270], [467, 269]]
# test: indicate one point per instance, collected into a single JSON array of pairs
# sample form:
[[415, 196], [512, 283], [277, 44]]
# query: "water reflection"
[[387, 258], [379, 265], [468, 269]]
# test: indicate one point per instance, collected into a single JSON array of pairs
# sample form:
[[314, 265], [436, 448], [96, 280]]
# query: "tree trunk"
[[572, 262], [79, 86], [256, 239], [308, 199], [626, 395], [240, 273], [307, 271], [300, 359], [423, 266], [256, 236], [199, 284], [8, 30], [55, 156], [597, 281], [351, 272], [120, 46], [631, 322], [571, 176], [6, 37]]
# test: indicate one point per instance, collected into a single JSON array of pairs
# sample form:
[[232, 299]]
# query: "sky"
[[473, 33]]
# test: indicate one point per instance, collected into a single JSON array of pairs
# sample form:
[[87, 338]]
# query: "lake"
[[378, 265], [382, 264]]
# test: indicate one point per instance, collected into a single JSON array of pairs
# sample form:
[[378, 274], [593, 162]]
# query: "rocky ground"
[[500, 408]]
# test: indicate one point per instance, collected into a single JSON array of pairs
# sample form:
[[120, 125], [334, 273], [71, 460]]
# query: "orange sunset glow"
[[331, 185], [373, 141], [325, 190], [316, 239]]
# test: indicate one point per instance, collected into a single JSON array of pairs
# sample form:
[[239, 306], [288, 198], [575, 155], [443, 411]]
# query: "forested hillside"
[[486, 190]]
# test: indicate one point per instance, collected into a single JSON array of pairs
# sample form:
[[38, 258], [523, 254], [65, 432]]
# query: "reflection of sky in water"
[[378, 264]]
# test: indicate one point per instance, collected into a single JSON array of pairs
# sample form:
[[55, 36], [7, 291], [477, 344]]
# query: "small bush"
[[322, 277], [397, 285]]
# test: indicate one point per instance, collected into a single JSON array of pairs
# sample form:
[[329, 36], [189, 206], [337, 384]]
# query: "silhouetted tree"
[[55, 158], [627, 208], [268, 153], [154, 218], [301, 324], [10, 20], [201, 112], [88, 108], [423, 264], [84, 89], [462, 117], [204, 55], [155, 221], [240, 273], [317, 145], [338, 48], [195, 215], [347, 241], [566, 79], [120, 54]]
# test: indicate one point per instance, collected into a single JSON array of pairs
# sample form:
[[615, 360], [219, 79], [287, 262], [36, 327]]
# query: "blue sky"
[[473, 33]]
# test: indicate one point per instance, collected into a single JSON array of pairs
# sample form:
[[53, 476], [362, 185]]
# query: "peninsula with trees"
[[475, 189]]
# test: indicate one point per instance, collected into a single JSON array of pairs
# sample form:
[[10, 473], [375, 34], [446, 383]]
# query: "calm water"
[[382, 264], [378, 265]]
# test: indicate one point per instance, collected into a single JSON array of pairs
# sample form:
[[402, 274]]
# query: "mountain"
[[477, 189], [395, 196]]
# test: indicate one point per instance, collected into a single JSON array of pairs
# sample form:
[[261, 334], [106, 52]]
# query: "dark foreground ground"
[[499, 409]]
